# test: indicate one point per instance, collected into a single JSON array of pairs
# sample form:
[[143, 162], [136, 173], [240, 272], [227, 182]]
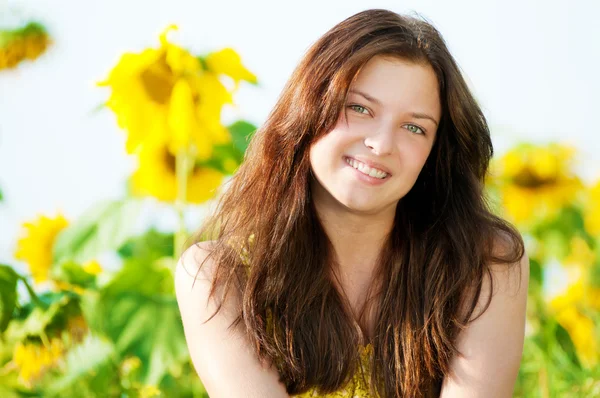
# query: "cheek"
[[416, 156], [331, 145], [321, 154]]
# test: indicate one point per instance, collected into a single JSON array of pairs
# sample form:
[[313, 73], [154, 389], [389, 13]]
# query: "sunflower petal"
[[228, 62]]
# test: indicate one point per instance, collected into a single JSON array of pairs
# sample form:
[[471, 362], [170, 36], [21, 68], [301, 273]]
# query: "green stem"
[[34, 297], [182, 169]]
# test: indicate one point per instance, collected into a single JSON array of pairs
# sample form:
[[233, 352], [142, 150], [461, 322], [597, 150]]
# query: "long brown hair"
[[441, 245]]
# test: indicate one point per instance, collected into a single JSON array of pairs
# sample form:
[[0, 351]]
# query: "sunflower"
[[33, 360], [570, 308], [228, 62], [592, 213], [156, 177], [35, 244], [535, 182], [579, 295], [582, 331], [168, 94], [28, 42]]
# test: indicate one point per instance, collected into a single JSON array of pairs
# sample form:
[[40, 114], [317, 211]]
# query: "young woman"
[[353, 253]]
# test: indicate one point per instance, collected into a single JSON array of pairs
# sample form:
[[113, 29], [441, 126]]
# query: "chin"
[[359, 205]]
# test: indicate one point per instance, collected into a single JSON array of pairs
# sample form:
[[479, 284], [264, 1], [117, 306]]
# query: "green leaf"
[[147, 327], [12, 387], [46, 320], [73, 274], [567, 224], [241, 133], [140, 276], [93, 356], [225, 158], [556, 244], [8, 295], [137, 310], [566, 343], [105, 227], [148, 247], [536, 272], [1, 196]]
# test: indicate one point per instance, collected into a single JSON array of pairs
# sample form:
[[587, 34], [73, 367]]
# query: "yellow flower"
[[579, 295], [581, 329], [580, 255], [592, 214], [141, 87], [36, 242], [149, 391], [129, 365], [228, 62], [156, 177], [577, 288], [17, 45], [194, 127], [92, 267], [33, 360], [165, 94], [536, 181]]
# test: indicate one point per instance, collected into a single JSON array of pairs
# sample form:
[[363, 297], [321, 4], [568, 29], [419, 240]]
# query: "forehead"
[[399, 83]]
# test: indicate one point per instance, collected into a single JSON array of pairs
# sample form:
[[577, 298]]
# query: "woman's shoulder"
[[219, 348], [493, 341], [196, 262]]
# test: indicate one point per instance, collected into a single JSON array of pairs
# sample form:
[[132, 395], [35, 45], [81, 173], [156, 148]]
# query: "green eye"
[[415, 129], [359, 109]]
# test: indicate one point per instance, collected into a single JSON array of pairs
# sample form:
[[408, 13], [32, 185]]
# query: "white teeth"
[[363, 168]]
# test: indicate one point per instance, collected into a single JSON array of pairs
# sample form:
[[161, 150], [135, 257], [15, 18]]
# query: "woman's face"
[[375, 152]]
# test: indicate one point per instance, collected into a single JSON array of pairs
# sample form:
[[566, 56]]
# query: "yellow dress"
[[357, 386]]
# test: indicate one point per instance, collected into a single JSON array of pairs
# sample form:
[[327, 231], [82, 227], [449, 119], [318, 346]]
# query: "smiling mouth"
[[363, 168]]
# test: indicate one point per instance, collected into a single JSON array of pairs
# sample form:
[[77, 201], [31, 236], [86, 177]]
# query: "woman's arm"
[[223, 358], [493, 343]]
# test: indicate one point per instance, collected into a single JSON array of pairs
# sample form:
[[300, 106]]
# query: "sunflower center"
[[527, 179], [158, 82], [170, 161]]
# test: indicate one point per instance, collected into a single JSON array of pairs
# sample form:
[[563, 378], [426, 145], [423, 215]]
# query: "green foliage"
[[148, 247], [8, 295], [138, 311], [93, 360], [132, 315], [227, 155], [73, 274], [38, 321], [241, 133], [105, 227]]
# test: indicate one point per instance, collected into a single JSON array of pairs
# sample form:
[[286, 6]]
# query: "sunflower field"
[[70, 326]]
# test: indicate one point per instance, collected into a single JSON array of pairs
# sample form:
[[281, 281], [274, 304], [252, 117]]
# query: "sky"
[[531, 65]]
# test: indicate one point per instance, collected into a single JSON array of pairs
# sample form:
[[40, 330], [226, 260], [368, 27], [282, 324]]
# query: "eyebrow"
[[416, 115]]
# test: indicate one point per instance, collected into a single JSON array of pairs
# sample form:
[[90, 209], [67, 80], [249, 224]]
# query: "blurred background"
[[108, 160]]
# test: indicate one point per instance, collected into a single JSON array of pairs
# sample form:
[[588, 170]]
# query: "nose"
[[381, 142]]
